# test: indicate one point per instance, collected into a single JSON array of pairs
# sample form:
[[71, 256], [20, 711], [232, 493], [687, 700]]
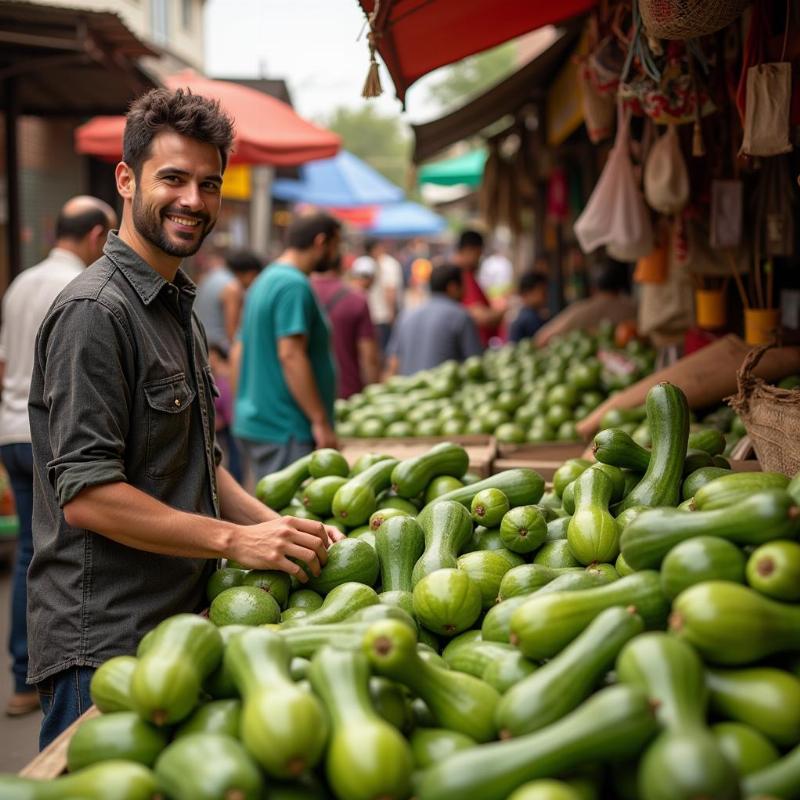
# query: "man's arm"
[[485, 316], [368, 360], [240, 507], [470, 343], [232, 299], [303, 387], [124, 514]]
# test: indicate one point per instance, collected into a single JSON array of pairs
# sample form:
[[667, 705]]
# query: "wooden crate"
[[52, 761], [545, 458], [481, 449]]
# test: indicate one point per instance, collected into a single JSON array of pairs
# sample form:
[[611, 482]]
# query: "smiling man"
[[131, 506]]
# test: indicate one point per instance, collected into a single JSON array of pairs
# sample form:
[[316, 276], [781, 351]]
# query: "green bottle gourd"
[[685, 761], [447, 527], [730, 624], [781, 779], [183, 651], [566, 680], [339, 604], [410, 477], [123, 735], [110, 687], [367, 758], [109, 780], [593, 534], [282, 726], [207, 766], [612, 725], [668, 420], [546, 623], [457, 701], [356, 500], [399, 543], [766, 698], [760, 518], [277, 489]]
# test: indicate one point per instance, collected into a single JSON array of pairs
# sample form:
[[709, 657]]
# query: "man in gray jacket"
[[440, 329]]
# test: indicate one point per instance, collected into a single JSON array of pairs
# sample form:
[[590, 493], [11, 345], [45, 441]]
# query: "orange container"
[[761, 324], [653, 267], [709, 308]]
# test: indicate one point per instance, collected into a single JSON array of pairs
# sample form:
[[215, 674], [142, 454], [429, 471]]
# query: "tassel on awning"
[[372, 85]]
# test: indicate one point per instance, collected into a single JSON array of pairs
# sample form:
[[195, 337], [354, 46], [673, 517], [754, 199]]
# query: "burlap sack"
[[771, 416]]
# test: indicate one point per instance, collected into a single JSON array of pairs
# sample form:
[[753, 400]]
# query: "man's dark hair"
[[531, 280], [304, 230], [180, 111], [442, 276], [242, 261], [611, 276], [470, 238], [76, 226], [370, 245]]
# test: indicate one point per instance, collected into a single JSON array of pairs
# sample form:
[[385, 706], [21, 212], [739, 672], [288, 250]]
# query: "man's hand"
[[270, 545], [324, 435]]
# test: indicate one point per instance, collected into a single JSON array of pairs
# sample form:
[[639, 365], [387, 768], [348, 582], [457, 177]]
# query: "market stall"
[[620, 619]]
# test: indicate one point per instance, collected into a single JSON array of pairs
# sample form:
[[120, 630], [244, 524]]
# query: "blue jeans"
[[64, 697], [18, 461]]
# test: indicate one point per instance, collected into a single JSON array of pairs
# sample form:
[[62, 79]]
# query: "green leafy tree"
[[470, 76], [383, 141]]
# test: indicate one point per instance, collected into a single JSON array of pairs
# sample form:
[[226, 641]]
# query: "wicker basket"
[[686, 19], [771, 416]]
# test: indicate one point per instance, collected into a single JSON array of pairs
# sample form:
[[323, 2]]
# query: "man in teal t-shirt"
[[287, 379]]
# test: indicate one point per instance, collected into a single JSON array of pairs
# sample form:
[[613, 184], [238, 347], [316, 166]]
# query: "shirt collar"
[[67, 258], [146, 282]]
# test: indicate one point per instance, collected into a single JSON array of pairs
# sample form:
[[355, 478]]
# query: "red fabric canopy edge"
[[415, 37]]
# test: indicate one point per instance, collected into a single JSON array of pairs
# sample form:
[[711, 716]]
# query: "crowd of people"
[[121, 382]]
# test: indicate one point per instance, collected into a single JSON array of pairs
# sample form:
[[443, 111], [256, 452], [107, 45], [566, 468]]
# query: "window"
[[186, 14], [159, 21]]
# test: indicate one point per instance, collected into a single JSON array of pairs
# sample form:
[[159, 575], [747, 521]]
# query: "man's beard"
[[149, 223], [327, 263]]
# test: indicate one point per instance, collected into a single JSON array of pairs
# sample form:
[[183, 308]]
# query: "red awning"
[[415, 37], [268, 131]]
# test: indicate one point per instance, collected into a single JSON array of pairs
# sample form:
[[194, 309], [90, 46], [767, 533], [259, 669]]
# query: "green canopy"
[[467, 168]]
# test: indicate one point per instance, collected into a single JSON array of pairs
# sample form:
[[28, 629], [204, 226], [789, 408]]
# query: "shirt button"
[[177, 401]]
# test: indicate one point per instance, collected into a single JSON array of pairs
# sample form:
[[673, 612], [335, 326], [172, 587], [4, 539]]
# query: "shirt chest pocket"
[[169, 404]]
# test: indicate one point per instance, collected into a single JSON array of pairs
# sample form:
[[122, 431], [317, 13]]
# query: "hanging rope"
[[372, 85]]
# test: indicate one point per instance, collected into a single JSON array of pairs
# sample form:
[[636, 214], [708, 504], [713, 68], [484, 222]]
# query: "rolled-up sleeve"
[[82, 375]]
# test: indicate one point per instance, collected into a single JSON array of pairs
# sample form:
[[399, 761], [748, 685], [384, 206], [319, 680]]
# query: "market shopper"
[[385, 293], [286, 383], [468, 258], [130, 503], [81, 229], [609, 301], [532, 290], [438, 330], [355, 346]]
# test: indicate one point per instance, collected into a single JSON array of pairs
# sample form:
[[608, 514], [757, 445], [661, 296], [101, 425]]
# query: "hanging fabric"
[[666, 180], [616, 215], [766, 121]]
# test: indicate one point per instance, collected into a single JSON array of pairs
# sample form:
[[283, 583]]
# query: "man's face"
[[470, 257], [327, 256], [178, 194]]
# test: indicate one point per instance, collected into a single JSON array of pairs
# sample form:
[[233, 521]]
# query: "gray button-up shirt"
[[121, 391]]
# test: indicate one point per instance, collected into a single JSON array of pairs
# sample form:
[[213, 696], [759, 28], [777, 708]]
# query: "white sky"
[[311, 44]]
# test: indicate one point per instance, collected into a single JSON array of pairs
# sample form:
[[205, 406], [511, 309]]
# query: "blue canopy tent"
[[404, 220], [343, 181]]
